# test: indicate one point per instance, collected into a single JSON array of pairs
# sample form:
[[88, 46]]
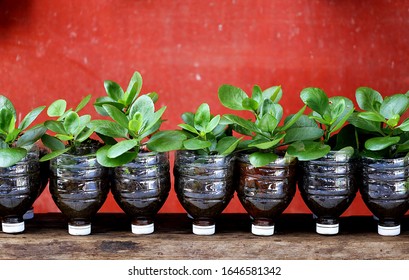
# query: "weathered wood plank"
[[46, 238]]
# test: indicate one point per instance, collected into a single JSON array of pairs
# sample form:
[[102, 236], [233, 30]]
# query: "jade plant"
[[68, 130], [207, 134], [17, 140], [326, 124], [381, 123], [134, 124], [264, 130]]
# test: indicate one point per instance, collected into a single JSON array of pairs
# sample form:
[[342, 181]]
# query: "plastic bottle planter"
[[44, 170], [79, 186], [384, 189], [141, 187], [328, 186], [204, 187], [265, 192], [19, 187]]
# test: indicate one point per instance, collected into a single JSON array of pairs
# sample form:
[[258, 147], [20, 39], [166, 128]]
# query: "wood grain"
[[46, 238]]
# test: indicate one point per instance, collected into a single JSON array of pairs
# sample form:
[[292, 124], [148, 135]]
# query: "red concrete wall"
[[186, 49]]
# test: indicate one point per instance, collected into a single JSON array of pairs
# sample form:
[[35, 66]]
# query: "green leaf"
[[108, 128], [342, 118], [104, 160], [257, 95], [117, 115], [5, 103], [12, 136], [188, 128], [196, 144], [83, 103], [71, 123], [214, 122], [122, 147], [114, 90], [106, 100], [392, 122], [52, 142], [7, 120], [227, 145], [259, 159], [31, 135], [202, 117], [316, 99], [134, 88], [154, 96], [84, 134], [292, 119], [250, 104], [57, 108], [268, 144], [64, 137], [303, 133], [135, 124], [404, 126], [157, 117], [189, 118], [10, 156], [268, 123], [248, 125], [54, 154], [273, 93], [232, 97], [166, 140], [368, 99], [394, 105], [30, 117], [308, 150], [144, 105], [371, 116], [380, 143], [55, 126], [361, 123]]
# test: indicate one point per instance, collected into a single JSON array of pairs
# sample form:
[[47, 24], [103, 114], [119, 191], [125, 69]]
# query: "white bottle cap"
[[262, 230], [13, 227], [29, 214], [143, 229], [79, 230], [389, 231], [327, 229], [204, 230]]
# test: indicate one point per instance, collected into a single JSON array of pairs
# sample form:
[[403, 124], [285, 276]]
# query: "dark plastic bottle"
[[141, 187], [204, 187], [265, 192], [328, 186], [384, 189], [79, 186], [19, 188]]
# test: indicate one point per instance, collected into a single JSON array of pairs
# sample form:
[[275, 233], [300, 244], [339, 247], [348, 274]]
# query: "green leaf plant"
[[17, 140], [381, 124], [69, 130], [207, 134], [325, 128], [264, 131], [134, 124]]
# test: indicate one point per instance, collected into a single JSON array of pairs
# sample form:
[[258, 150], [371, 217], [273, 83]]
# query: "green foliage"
[[381, 124], [68, 130], [207, 134], [327, 118], [16, 140], [134, 124], [265, 130]]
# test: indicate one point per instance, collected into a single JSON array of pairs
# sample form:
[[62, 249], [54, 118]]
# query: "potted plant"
[[136, 150], [327, 164], [265, 181], [204, 168], [20, 171], [79, 185], [383, 130]]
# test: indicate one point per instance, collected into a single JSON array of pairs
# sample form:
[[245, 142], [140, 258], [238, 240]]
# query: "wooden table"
[[46, 238]]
